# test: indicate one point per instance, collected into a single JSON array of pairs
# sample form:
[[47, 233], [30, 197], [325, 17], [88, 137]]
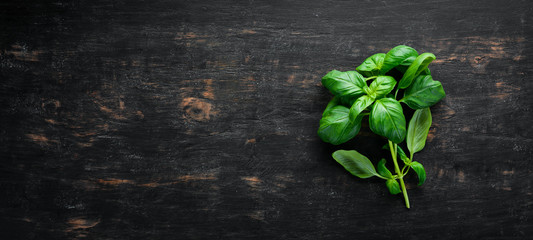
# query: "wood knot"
[[197, 109]]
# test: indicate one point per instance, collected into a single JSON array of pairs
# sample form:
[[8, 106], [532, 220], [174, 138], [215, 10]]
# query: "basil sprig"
[[369, 91]]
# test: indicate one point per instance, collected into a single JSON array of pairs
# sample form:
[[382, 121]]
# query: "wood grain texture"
[[197, 120]]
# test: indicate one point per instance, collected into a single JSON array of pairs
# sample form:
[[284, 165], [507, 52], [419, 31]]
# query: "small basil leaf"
[[382, 170], [349, 84], [336, 127], [359, 105], [401, 153], [397, 56], [424, 92], [418, 129], [372, 65], [419, 65], [419, 169], [381, 86], [355, 163], [393, 186], [387, 119]]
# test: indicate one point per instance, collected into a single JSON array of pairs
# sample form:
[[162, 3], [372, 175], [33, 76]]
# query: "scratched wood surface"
[[197, 120]]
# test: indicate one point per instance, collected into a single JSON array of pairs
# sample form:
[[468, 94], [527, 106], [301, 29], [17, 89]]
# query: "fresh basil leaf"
[[381, 86], [402, 155], [346, 101], [405, 64], [372, 65], [340, 124], [418, 129], [400, 151], [336, 127], [393, 186], [334, 102], [419, 169], [382, 170], [396, 56], [424, 92], [387, 119], [418, 66], [408, 61], [355, 163], [359, 105], [344, 84]]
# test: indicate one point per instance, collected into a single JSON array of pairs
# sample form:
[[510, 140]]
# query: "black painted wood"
[[198, 119]]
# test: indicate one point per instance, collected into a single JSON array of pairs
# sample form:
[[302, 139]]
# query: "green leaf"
[[405, 65], [334, 102], [381, 86], [393, 186], [402, 155], [372, 65], [355, 163], [419, 169], [336, 127], [418, 130], [344, 84], [346, 101], [424, 92], [418, 66], [359, 105], [382, 170], [396, 56], [387, 119]]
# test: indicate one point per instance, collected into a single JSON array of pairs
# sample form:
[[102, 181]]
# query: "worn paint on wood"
[[197, 120]]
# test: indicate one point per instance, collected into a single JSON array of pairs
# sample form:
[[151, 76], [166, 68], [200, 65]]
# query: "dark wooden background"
[[197, 120]]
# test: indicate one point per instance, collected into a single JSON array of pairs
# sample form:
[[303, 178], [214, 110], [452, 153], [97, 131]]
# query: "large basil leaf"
[[381, 86], [336, 127], [359, 105], [418, 66], [387, 119], [372, 65], [344, 84], [424, 92], [419, 169], [398, 55], [382, 169], [418, 129], [393, 186], [355, 163]]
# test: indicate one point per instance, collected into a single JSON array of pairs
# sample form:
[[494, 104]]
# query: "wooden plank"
[[197, 120]]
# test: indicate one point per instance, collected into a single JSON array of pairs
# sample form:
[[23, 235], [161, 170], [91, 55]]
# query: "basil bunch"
[[368, 92]]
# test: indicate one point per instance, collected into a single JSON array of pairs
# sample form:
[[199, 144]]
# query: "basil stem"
[[392, 147]]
